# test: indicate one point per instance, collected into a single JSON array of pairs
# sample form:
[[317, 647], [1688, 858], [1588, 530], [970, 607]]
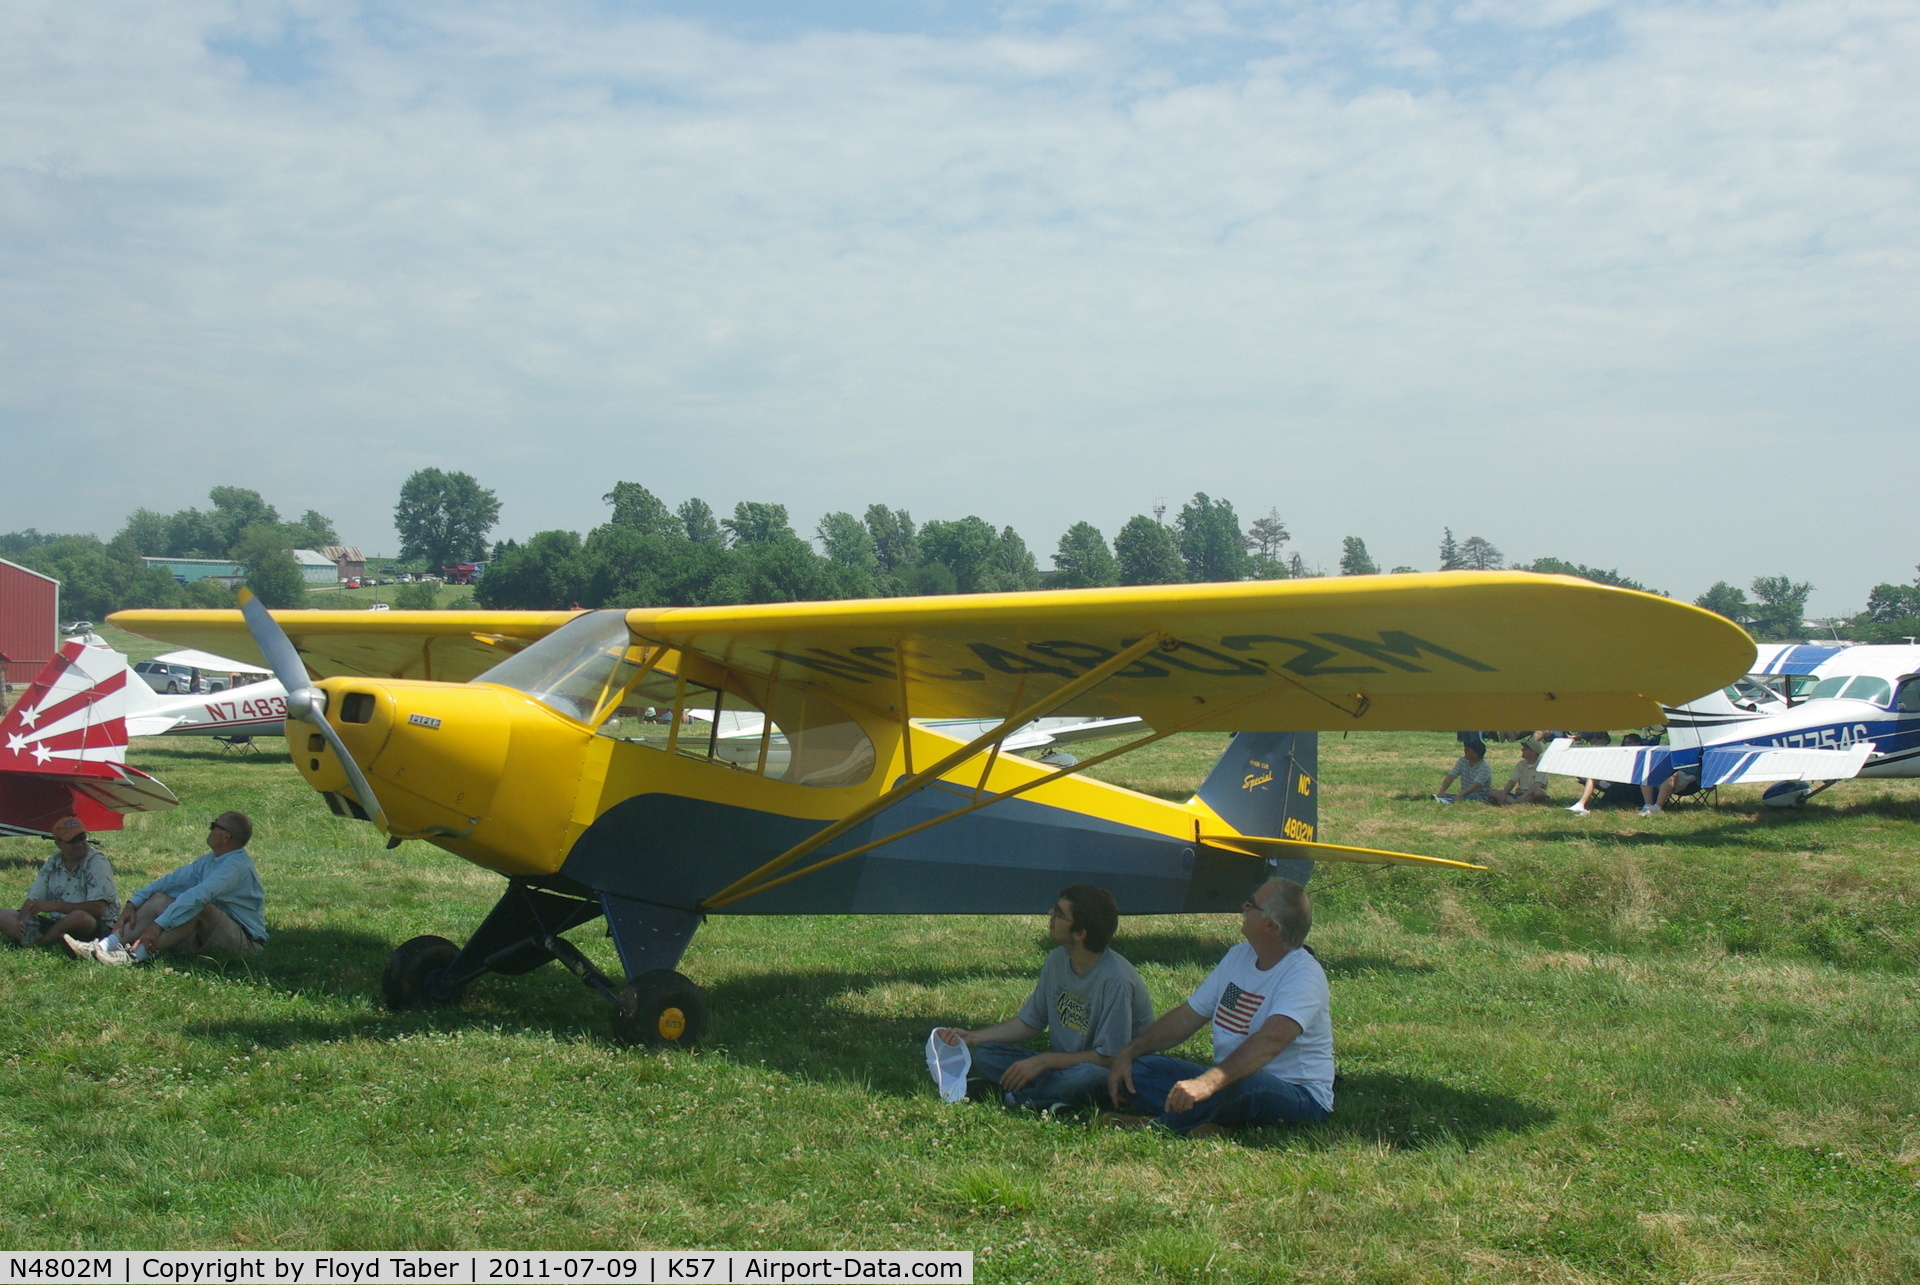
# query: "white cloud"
[[1630, 285]]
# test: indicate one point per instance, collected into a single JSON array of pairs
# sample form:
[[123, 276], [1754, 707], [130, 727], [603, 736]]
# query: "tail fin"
[[1267, 784], [74, 712], [1706, 719], [63, 747]]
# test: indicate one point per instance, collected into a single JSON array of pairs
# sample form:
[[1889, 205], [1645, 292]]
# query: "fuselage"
[[611, 780], [1831, 723]]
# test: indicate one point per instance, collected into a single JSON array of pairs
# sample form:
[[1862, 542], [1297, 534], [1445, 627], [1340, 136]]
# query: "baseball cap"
[[68, 828], [949, 1064]]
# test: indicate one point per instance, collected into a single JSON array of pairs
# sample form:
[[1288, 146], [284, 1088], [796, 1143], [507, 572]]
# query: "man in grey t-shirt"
[[1089, 1001]]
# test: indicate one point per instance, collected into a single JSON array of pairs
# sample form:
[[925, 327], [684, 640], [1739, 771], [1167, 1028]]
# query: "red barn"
[[29, 621]]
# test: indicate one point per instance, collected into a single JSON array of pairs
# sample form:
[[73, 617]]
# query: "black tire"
[[404, 984], [660, 1009], [173, 689]]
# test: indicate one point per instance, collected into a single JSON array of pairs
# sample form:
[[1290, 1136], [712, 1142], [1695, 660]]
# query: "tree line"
[[649, 554]]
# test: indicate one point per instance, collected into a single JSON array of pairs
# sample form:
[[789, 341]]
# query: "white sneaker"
[[1650, 810], [98, 952], [1576, 809]]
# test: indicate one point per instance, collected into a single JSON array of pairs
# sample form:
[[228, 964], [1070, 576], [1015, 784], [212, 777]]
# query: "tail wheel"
[[660, 1009], [407, 982]]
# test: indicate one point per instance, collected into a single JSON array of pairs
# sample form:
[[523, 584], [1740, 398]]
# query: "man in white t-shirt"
[[1272, 1033]]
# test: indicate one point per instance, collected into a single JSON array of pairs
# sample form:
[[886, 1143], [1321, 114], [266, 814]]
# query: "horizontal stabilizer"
[[1743, 765], [1255, 846], [133, 792], [1621, 764]]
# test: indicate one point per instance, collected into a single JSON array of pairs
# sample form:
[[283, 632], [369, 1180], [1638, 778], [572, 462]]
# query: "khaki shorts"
[[215, 930]]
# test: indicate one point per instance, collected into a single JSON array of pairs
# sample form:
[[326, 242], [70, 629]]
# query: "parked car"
[[171, 679]]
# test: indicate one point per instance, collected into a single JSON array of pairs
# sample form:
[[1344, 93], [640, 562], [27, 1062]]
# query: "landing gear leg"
[[659, 1007]]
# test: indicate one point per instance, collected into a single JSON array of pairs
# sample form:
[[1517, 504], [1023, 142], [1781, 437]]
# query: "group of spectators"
[[1267, 1002], [213, 904], [1528, 784]]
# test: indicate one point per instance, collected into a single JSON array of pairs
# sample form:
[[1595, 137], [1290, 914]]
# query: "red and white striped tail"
[[63, 747]]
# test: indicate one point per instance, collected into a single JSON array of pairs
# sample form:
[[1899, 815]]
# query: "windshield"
[[574, 668]]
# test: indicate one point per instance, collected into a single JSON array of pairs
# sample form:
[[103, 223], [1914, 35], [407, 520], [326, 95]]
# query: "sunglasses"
[[215, 825], [78, 838]]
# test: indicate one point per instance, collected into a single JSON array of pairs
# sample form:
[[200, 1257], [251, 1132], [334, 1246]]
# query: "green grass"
[[1677, 1048]]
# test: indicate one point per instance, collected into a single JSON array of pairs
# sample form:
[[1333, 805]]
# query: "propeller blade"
[[305, 701], [273, 643]]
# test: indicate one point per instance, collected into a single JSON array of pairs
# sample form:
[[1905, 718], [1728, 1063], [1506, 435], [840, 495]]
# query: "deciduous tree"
[[636, 507], [1780, 607], [1477, 554], [756, 523], [1083, 560], [444, 518], [1211, 542], [1147, 553], [701, 527], [1727, 601], [272, 574]]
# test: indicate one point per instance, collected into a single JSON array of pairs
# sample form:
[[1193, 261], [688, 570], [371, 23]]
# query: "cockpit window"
[[1828, 687], [1909, 701], [809, 740], [1868, 688], [574, 669]]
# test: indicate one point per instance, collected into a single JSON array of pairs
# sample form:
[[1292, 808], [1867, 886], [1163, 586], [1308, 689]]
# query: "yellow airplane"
[[581, 754]]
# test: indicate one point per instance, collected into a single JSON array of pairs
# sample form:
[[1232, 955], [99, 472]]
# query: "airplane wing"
[[1444, 650], [1624, 764], [448, 646], [1747, 764]]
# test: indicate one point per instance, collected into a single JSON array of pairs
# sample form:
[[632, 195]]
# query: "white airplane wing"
[[1742, 765], [213, 664], [1631, 764], [1037, 735]]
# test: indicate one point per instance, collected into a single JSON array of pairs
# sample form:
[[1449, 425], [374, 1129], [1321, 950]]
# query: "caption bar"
[[479, 1267]]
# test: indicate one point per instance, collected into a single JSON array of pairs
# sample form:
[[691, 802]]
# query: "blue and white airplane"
[[1861, 717]]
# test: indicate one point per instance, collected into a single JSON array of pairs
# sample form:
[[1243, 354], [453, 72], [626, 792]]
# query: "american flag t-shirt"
[[1236, 1009]]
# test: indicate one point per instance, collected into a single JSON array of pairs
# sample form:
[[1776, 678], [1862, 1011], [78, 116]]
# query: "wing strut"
[[1017, 718], [745, 886]]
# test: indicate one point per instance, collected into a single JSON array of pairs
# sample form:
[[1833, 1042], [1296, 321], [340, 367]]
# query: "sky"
[[1634, 285]]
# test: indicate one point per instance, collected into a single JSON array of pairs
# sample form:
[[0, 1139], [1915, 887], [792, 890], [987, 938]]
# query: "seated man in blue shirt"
[[214, 903]]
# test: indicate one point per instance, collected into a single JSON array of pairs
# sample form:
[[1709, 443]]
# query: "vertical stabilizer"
[[63, 747], [1268, 783], [75, 712], [1704, 721]]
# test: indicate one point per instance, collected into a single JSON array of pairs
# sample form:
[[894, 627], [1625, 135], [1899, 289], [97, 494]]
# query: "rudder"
[[1268, 783]]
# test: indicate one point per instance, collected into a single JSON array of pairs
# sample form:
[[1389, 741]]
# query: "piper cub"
[[657, 765]]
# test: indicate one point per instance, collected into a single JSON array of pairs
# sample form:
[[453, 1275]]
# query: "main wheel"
[[660, 1009], [404, 984]]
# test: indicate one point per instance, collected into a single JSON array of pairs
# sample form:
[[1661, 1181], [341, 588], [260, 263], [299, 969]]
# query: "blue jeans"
[[1258, 1099], [1068, 1086]]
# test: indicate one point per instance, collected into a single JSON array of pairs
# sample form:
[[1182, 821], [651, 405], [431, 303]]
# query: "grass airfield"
[[1680, 1048]]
